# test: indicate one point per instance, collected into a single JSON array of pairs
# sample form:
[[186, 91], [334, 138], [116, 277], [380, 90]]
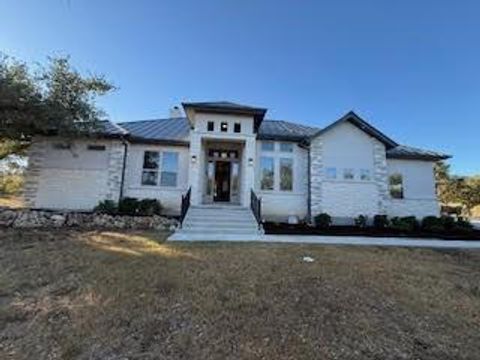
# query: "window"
[[223, 127], [348, 174], [150, 168], [267, 173], [331, 173], [396, 186], [286, 147], [286, 174], [237, 128], [365, 175], [169, 169], [96, 147], [268, 145], [210, 126]]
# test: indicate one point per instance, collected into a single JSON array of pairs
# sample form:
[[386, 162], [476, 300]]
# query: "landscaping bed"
[[305, 229]]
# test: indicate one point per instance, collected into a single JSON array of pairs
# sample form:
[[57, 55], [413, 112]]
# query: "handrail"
[[185, 205], [256, 206]]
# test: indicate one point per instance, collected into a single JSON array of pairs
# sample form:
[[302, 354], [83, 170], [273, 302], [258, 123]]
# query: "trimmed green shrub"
[[448, 222], [106, 207], [128, 206], [405, 224], [463, 225], [361, 221], [149, 207], [323, 220], [432, 224], [380, 221]]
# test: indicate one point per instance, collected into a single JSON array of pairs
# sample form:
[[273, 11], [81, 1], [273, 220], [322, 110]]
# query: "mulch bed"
[[304, 229]]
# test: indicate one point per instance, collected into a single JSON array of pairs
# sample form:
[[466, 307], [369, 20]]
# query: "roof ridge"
[[151, 120]]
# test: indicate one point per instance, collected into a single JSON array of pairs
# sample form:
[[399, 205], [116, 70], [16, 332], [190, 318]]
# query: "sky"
[[411, 68]]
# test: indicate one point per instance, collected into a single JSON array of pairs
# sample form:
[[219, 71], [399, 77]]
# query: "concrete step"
[[206, 230], [220, 221], [214, 237]]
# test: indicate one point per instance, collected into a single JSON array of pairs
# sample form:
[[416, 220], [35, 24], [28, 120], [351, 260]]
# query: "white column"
[[249, 158], [195, 168]]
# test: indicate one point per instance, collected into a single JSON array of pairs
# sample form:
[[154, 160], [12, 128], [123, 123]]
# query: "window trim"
[[345, 170], [265, 143], [391, 186], [237, 128], [290, 144], [161, 170], [272, 159], [212, 123], [289, 160], [224, 126], [368, 173], [151, 170]]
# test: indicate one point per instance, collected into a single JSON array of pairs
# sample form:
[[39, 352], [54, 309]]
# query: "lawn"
[[109, 295]]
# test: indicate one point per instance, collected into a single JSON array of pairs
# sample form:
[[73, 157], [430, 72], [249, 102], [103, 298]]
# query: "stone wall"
[[50, 219], [316, 176], [36, 154]]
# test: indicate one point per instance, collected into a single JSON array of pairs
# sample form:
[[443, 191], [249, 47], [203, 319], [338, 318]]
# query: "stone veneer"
[[316, 176], [36, 154], [115, 169], [381, 176]]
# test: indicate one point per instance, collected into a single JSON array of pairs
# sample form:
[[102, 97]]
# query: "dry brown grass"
[[476, 212], [128, 295], [11, 201]]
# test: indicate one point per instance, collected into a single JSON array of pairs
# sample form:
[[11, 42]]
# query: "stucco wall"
[[170, 197], [418, 188], [75, 178], [276, 204]]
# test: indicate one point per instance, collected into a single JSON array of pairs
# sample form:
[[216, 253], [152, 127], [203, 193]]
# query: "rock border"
[[32, 218]]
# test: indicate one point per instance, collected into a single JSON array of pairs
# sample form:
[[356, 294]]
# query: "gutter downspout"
[[124, 165]]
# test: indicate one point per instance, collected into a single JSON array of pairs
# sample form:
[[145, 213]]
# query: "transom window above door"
[[223, 154]]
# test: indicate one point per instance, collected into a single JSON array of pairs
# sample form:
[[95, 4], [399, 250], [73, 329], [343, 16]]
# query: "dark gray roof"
[[110, 128], [159, 130], [176, 131], [408, 152], [221, 105], [285, 130]]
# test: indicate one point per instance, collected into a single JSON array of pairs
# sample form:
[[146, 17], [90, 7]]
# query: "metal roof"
[[408, 152], [109, 128], [176, 131], [227, 105]]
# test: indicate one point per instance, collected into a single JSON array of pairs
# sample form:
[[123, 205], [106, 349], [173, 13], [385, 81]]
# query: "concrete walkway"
[[372, 241]]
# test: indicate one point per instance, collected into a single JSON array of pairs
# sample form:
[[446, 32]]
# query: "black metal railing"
[[185, 205], [256, 206]]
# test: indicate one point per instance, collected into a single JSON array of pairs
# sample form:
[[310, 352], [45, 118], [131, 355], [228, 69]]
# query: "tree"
[[55, 99]]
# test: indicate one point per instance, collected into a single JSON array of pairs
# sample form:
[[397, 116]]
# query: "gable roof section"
[[356, 120], [284, 130]]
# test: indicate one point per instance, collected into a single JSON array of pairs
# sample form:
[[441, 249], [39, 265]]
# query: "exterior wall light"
[[194, 159], [250, 161]]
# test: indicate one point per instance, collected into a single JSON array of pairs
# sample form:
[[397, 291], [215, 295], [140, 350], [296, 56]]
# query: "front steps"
[[218, 223]]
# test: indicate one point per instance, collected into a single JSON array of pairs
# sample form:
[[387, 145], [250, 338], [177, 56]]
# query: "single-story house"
[[227, 154]]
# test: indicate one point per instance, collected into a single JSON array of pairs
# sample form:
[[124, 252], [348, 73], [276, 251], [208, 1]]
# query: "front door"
[[222, 181]]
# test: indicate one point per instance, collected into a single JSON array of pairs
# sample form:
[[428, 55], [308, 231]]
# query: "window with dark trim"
[[237, 128], [267, 173], [286, 174], [151, 161], [210, 126], [223, 127]]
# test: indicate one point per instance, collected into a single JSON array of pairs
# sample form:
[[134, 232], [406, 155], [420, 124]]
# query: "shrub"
[[323, 220], [128, 206], [463, 225], [361, 221], [106, 207], [380, 221], [448, 222], [149, 207], [405, 224], [432, 224]]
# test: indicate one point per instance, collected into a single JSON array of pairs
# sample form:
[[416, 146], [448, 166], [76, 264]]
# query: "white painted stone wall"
[[75, 178], [170, 197], [277, 205], [420, 198]]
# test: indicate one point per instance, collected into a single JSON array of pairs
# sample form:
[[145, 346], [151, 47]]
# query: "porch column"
[[195, 168], [249, 158]]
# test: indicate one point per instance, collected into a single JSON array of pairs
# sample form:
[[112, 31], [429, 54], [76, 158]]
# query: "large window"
[[365, 175], [268, 145], [267, 173], [348, 174], [169, 169], [152, 172], [286, 174], [396, 186], [331, 173], [286, 147], [150, 168]]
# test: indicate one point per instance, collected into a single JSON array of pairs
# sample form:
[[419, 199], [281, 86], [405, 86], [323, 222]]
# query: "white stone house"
[[223, 151]]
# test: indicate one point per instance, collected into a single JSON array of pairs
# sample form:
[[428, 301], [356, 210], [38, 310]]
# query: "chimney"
[[176, 112]]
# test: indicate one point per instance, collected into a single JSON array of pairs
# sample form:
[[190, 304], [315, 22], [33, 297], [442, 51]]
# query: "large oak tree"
[[51, 99]]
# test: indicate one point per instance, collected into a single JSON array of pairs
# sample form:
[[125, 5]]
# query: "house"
[[228, 154]]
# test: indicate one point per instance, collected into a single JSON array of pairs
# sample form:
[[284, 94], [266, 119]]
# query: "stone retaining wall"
[[23, 218]]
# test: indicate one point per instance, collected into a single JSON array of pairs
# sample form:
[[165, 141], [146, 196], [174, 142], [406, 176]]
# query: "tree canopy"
[[54, 98]]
